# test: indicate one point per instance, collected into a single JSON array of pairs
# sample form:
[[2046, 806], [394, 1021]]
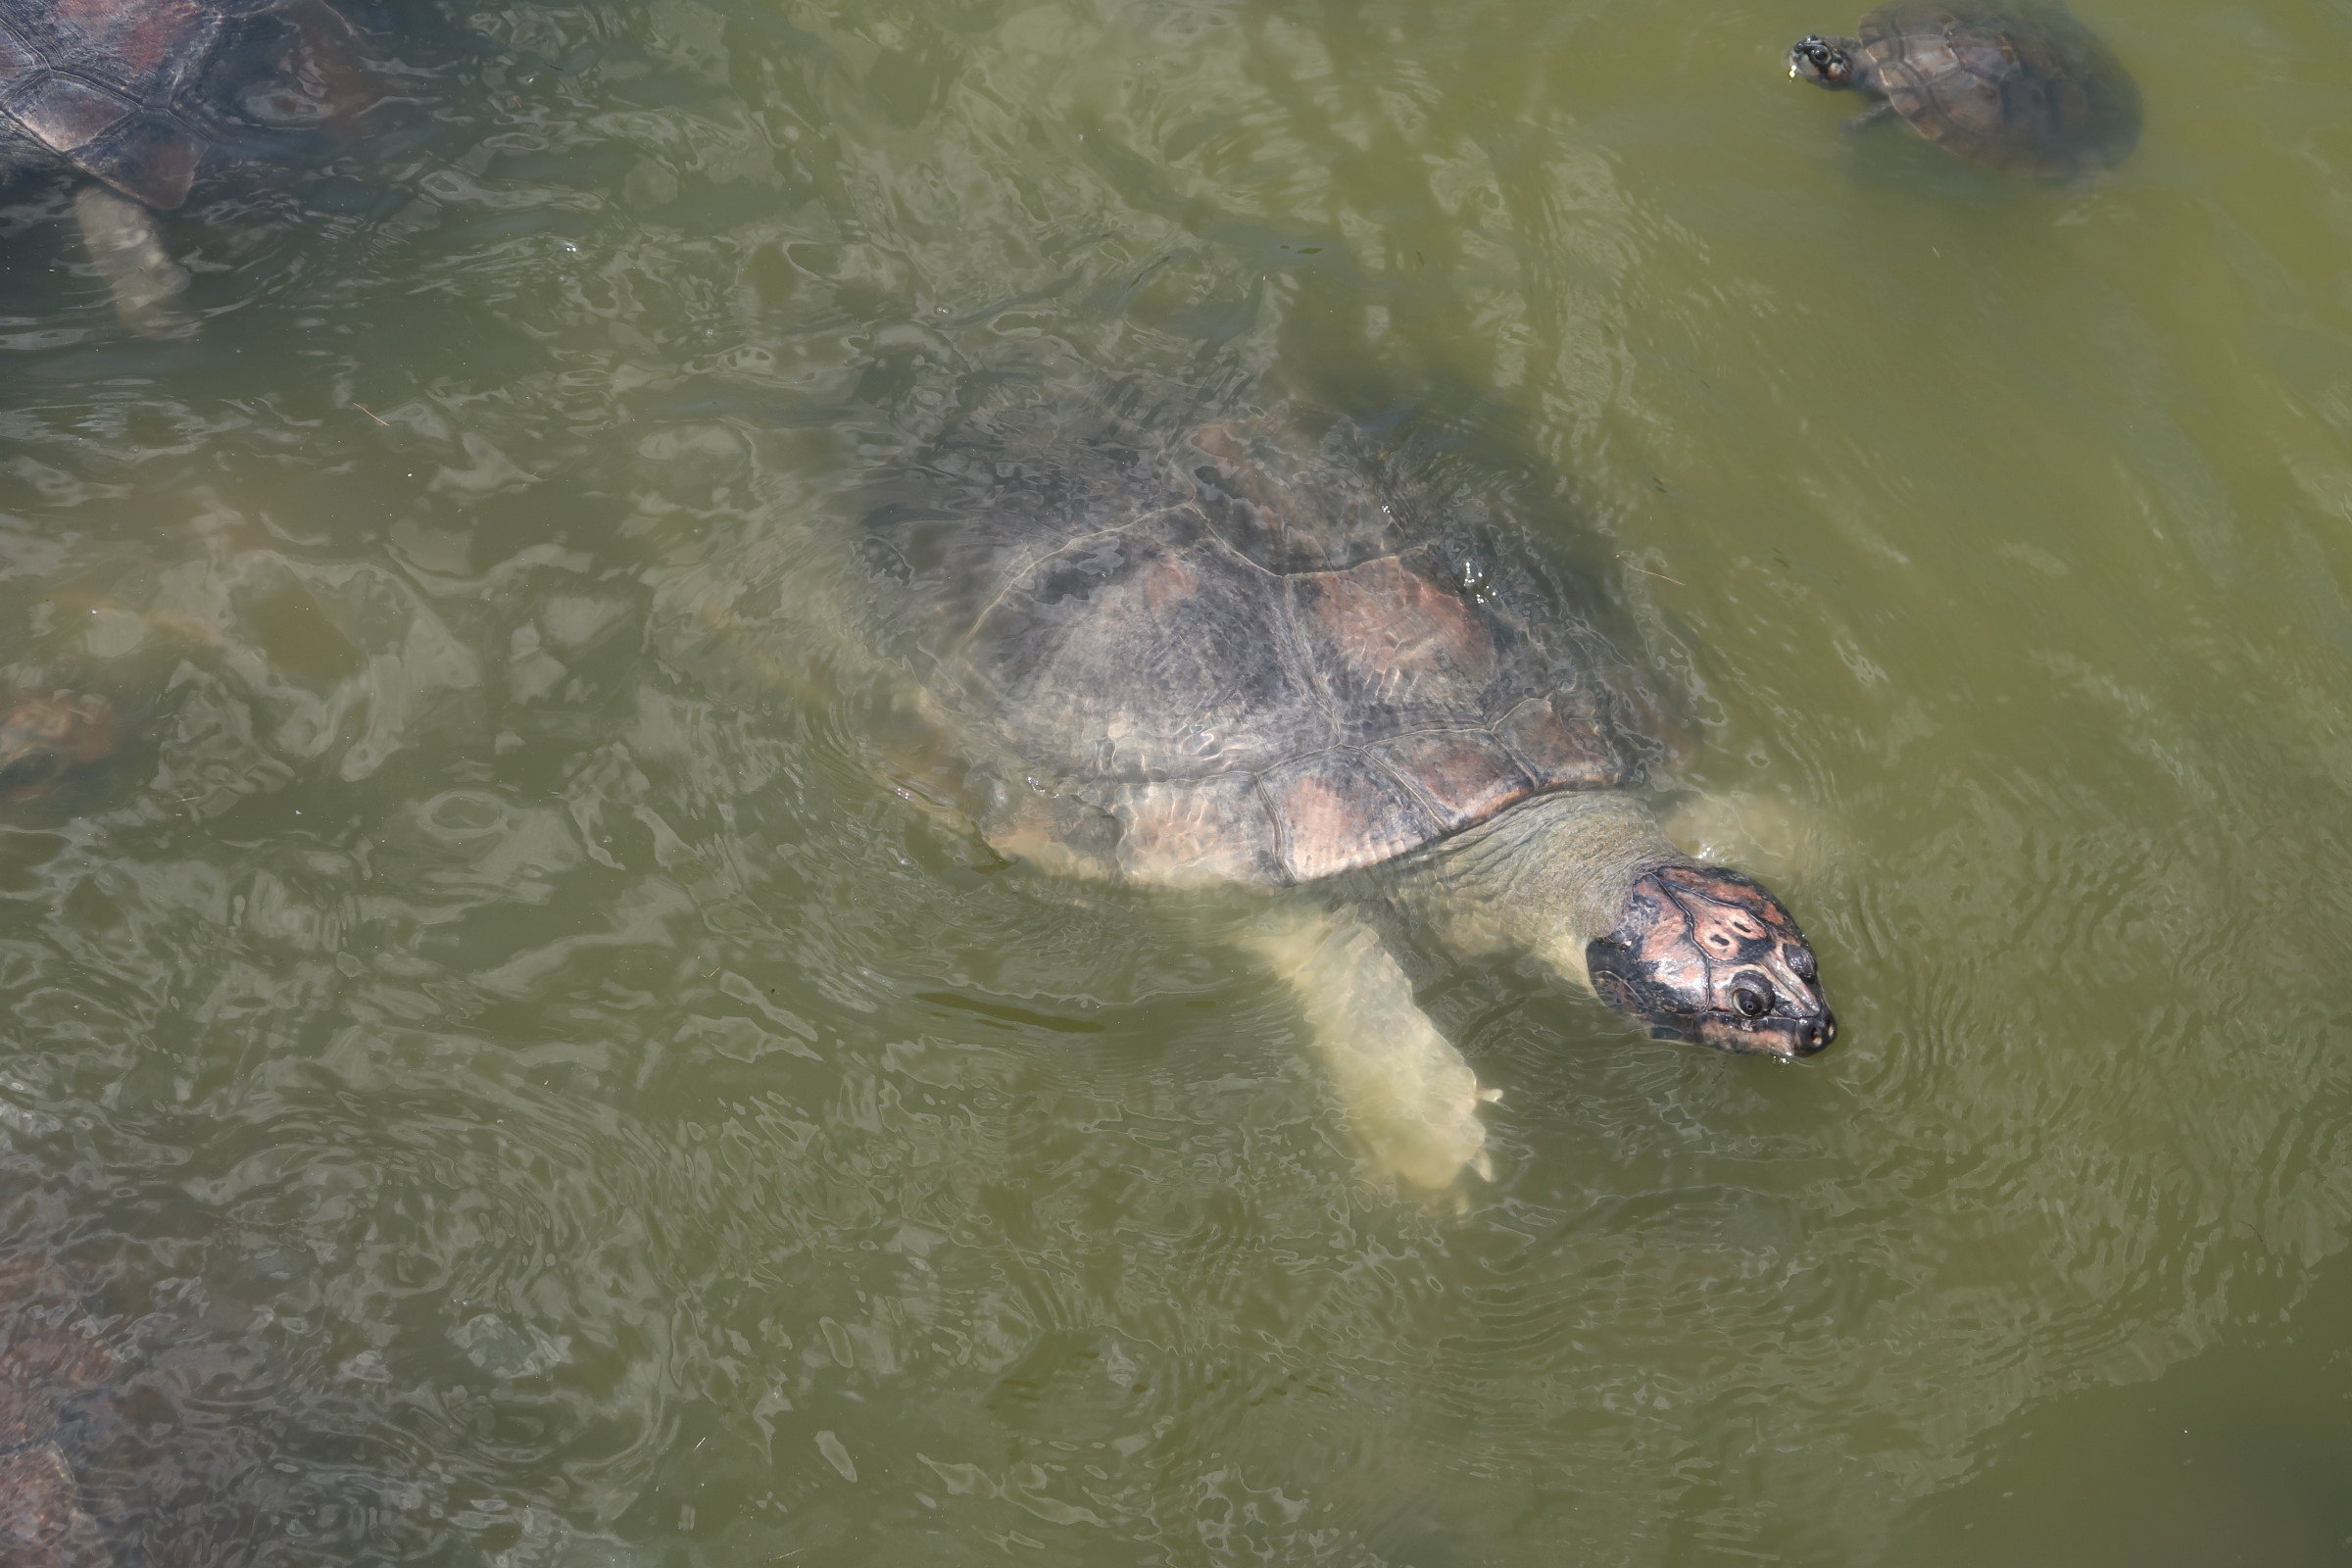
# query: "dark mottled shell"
[[98, 82], [2028, 90], [1242, 676], [112, 87]]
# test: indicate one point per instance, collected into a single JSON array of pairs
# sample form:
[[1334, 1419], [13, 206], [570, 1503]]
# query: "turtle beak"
[[1802, 1031], [1816, 60]]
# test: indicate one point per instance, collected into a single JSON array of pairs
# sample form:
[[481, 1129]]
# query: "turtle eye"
[[1752, 1001], [1803, 963]]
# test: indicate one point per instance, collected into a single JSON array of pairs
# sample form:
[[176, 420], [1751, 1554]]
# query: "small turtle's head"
[[1823, 62], [45, 739], [1704, 953]]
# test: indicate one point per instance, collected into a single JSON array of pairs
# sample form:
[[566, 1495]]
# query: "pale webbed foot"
[[1410, 1098], [128, 248]]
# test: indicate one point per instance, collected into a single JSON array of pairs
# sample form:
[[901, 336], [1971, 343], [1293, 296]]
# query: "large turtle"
[[2028, 90], [1251, 662], [132, 94]]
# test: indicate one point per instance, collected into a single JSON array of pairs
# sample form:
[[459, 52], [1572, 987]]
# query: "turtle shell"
[[1240, 667], [2030, 90], [115, 88]]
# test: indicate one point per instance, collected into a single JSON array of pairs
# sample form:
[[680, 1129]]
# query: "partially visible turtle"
[[131, 93], [1244, 666], [48, 738], [2026, 89], [47, 1355]]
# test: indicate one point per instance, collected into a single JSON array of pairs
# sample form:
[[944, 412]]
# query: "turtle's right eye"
[[1751, 1000]]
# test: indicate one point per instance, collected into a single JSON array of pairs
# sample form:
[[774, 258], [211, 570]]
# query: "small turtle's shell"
[[2028, 90], [1240, 670], [115, 87]]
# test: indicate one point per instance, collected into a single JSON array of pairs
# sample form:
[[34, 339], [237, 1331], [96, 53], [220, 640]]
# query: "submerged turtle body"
[[1247, 660], [48, 738], [133, 93], [1244, 679], [45, 1358], [2026, 89]]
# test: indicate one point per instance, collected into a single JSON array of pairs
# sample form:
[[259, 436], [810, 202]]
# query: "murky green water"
[[519, 1087]]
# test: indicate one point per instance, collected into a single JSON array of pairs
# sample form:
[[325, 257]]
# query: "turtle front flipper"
[[128, 248], [1410, 1097]]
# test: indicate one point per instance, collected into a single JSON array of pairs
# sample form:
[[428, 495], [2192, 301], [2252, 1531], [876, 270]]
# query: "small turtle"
[[46, 1358], [1243, 667], [133, 93], [48, 738], [2026, 89]]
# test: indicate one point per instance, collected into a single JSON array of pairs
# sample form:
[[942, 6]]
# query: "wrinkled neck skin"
[[1549, 876]]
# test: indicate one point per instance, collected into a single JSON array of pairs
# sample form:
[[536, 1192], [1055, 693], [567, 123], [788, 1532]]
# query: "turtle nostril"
[[1816, 1035]]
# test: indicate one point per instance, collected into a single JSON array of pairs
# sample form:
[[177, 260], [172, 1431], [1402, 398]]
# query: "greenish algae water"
[[520, 1087]]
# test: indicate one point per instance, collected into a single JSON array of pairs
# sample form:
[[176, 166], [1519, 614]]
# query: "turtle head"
[[1825, 62], [44, 739], [1704, 953]]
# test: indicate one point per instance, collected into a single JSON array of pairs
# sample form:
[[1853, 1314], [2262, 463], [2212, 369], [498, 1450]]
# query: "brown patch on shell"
[[1336, 813], [1390, 637], [143, 38], [1464, 777], [1168, 581], [1274, 499], [1560, 752]]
